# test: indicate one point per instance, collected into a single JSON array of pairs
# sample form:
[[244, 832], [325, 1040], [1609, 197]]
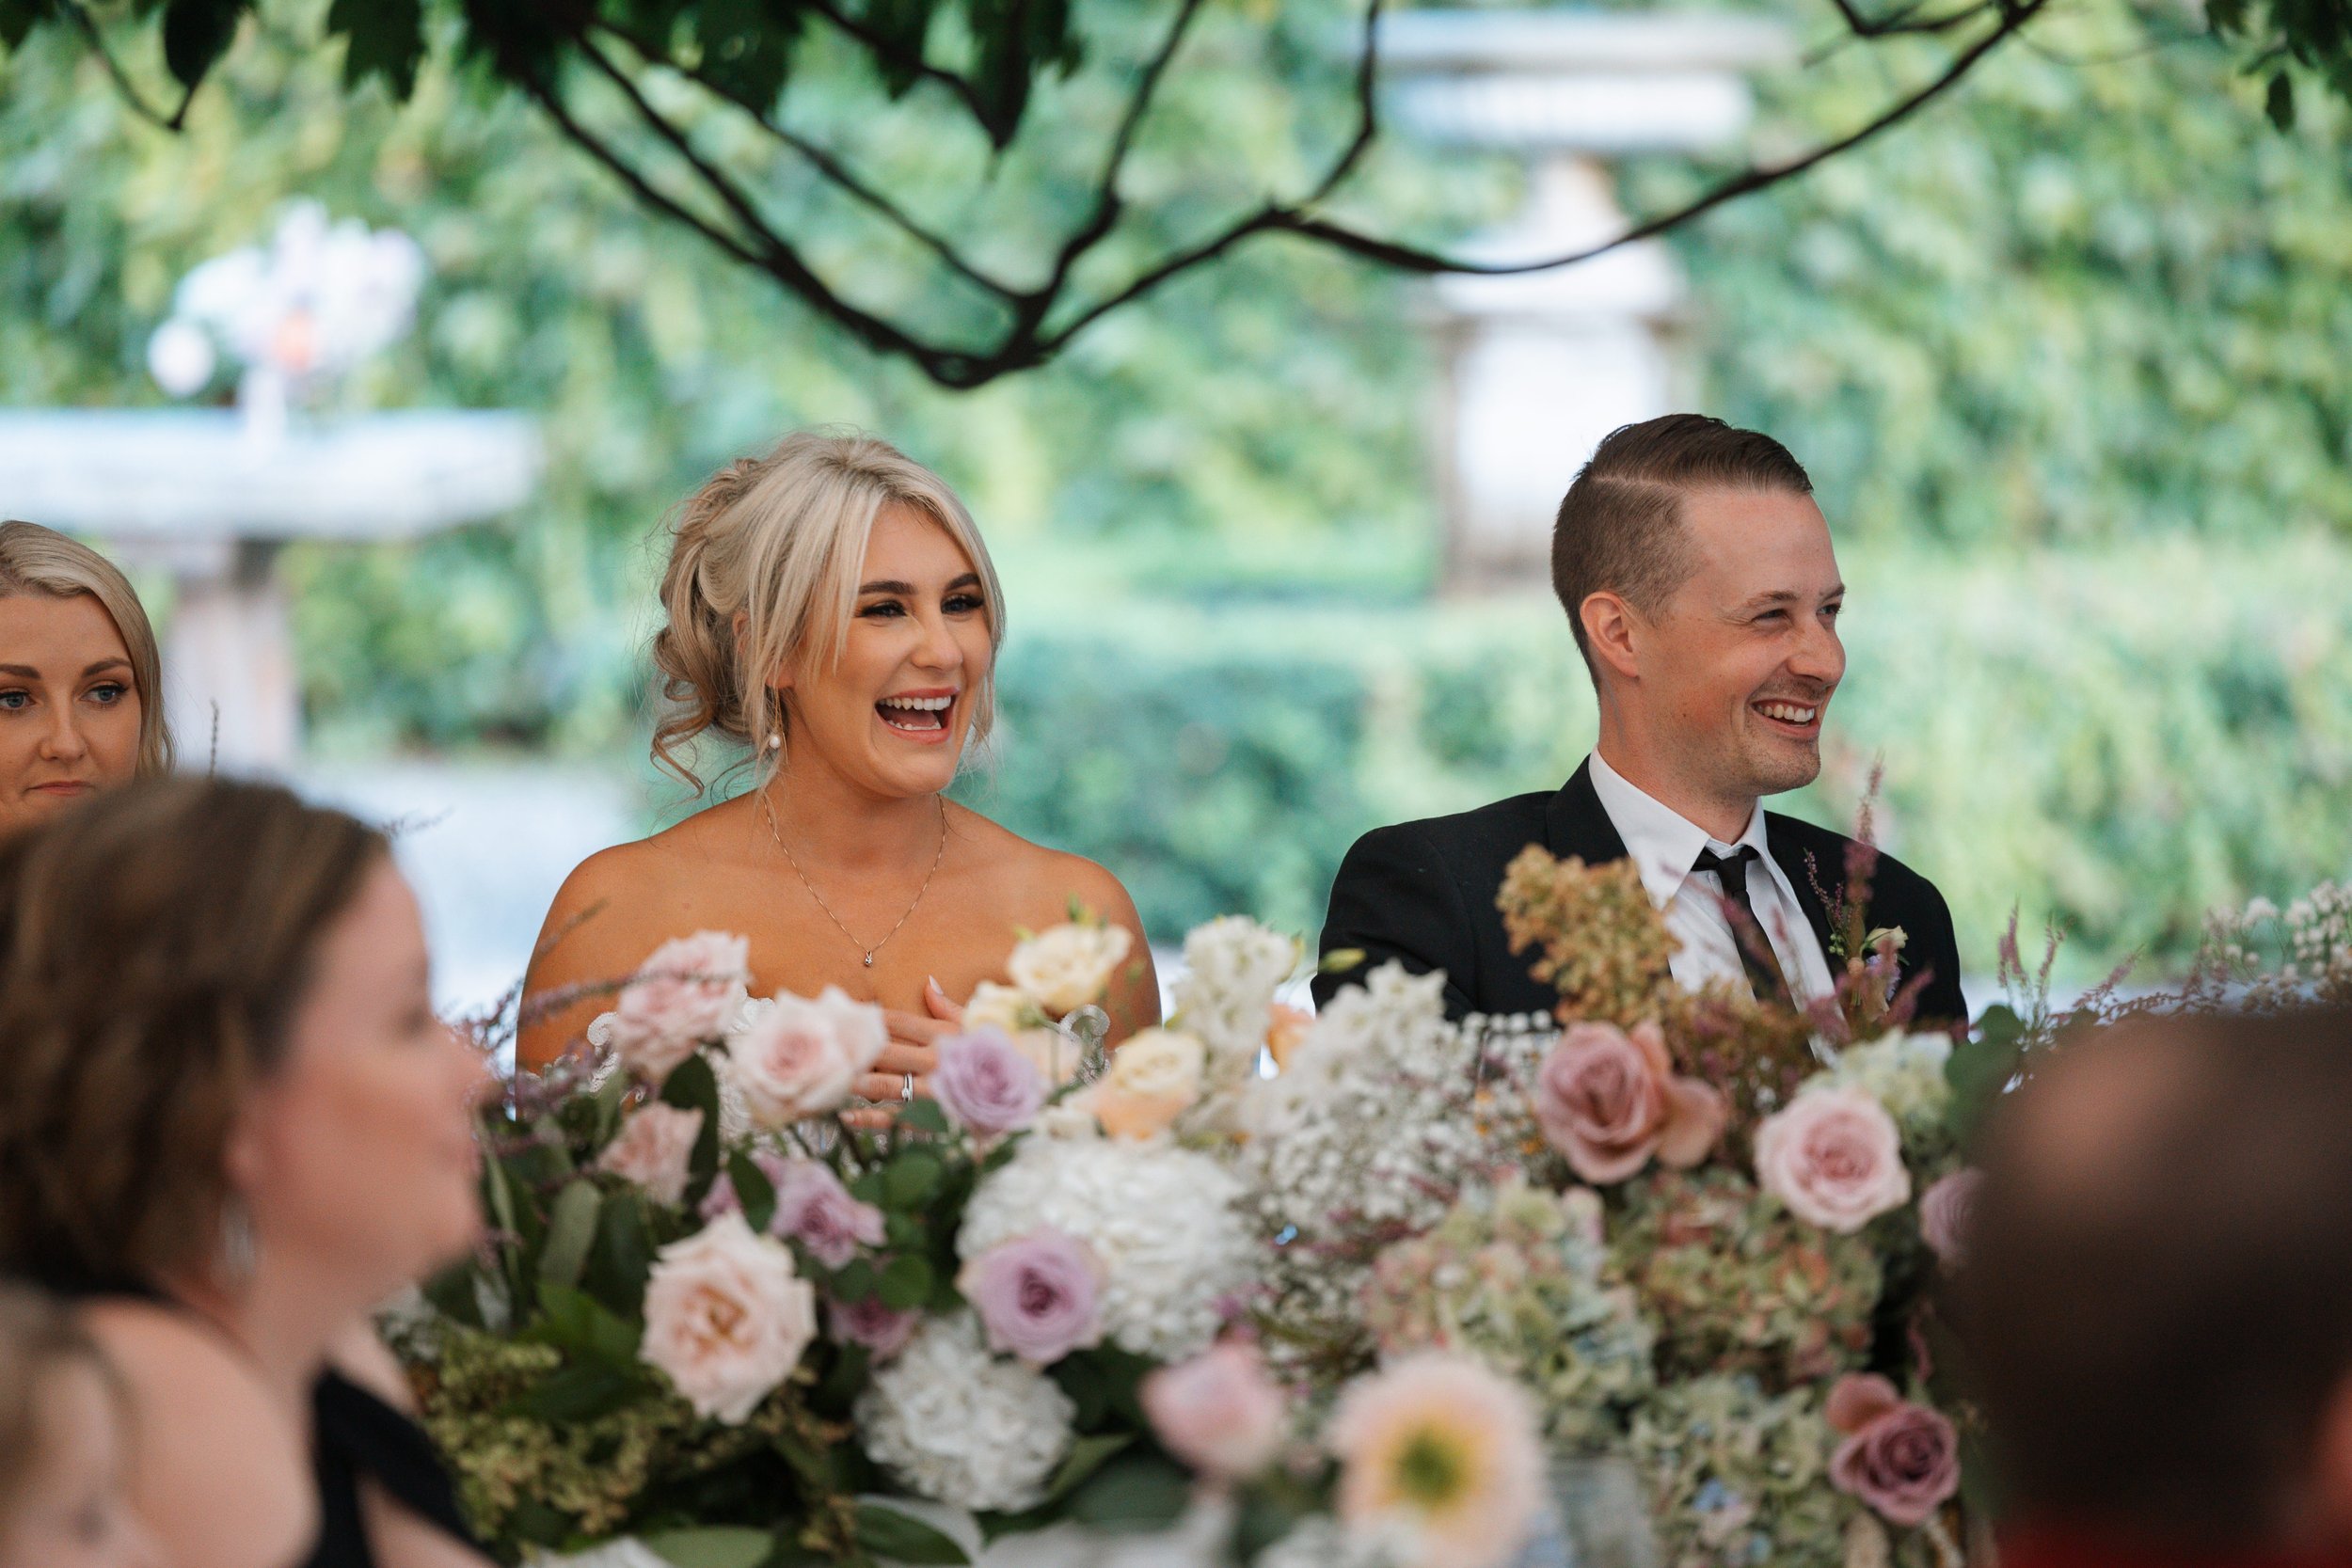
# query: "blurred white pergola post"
[[201, 493], [1540, 366]]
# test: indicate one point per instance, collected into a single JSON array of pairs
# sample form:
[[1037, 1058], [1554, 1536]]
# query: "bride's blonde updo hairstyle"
[[774, 546]]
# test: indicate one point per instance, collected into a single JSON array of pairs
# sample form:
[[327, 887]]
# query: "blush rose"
[[654, 1149], [1834, 1157], [1901, 1459], [687, 992], [1219, 1412], [796, 1058], [1609, 1099], [726, 1318]]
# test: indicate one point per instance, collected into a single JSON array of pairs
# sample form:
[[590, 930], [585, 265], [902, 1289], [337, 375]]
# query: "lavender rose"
[[814, 1209], [986, 1084], [687, 992], [1039, 1296], [882, 1330], [1834, 1157], [1899, 1458], [1944, 1213]]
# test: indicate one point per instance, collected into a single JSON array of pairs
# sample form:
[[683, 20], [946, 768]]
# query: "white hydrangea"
[[1232, 968], [1383, 1107], [962, 1427], [1160, 1218], [1902, 1072]]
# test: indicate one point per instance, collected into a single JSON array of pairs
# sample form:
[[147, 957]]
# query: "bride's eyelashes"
[[959, 603]]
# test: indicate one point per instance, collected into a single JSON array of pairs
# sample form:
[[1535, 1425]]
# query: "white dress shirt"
[[1664, 845]]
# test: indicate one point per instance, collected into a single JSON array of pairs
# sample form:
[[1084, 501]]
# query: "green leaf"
[[580, 1394], [886, 1532], [17, 18], [923, 1116], [195, 34], [578, 1324], [622, 1256], [452, 1294], [1087, 1456], [711, 1546], [387, 40], [692, 1086], [752, 1189], [2280, 102], [906, 1282], [856, 1282], [571, 1231], [1136, 1493], [910, 1178], [1980, 1068]]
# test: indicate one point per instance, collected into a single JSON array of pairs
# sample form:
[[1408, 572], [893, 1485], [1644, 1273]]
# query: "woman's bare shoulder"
[[1039, 876], [221, 1472]]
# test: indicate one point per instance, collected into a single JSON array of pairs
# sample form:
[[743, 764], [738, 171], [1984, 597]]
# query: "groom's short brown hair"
[[1620, 526]]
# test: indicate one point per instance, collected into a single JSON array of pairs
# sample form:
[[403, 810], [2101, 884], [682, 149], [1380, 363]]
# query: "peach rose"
[[655, 1144], [1834, 1157], [1609, 1099], [1287, 1029], [1152, 1079], [1067, 967], [726, 1318]]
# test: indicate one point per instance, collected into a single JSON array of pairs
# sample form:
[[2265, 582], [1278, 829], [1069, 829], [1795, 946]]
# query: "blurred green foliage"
[[2066, 356], [2119, 739]]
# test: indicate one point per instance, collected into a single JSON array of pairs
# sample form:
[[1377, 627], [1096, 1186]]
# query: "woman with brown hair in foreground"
[[231, 1124], [81, 682]]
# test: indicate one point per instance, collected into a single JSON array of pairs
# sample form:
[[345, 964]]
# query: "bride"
[[829, 606]]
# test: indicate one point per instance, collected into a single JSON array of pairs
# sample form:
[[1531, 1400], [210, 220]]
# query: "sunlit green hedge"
[[2115, 740]]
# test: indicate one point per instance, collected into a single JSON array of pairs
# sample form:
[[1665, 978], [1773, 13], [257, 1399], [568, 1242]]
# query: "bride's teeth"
[[1786, 713]]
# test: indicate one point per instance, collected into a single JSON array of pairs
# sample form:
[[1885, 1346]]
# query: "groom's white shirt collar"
[[1664, 844]]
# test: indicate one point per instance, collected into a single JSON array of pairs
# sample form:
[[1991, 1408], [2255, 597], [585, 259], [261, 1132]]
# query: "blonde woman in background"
[[81, 685], [64, 1453], [832, 609]]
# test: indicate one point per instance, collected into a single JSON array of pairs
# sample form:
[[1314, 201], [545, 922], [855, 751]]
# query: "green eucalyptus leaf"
[[571, 1231], [886, 1532], [711, 1546], [906, 1282]]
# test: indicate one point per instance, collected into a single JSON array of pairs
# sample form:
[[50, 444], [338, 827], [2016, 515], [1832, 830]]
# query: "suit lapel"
[[1576, 823], [1808, 879]]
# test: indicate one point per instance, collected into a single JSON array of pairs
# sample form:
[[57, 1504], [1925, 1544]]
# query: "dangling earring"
[[240, 1250]]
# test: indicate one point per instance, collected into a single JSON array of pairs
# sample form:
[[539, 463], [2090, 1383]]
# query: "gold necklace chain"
[[776, 832]]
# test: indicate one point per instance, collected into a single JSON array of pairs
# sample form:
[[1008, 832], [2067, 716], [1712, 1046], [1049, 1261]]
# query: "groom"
[[1698, 579]]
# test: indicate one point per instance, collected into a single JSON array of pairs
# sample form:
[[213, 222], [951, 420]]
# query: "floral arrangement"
[[726, 1317], [1699, 1233]]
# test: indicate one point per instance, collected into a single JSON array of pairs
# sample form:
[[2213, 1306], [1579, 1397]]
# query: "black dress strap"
[[357, 1436]]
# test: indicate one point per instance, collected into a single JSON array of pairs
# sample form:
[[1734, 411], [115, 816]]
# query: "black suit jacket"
[[1424, 893]]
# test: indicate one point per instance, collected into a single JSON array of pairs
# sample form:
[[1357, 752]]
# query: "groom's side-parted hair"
[[1620, 526]]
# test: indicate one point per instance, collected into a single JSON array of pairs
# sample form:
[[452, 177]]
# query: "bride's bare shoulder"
[[1041, 880]]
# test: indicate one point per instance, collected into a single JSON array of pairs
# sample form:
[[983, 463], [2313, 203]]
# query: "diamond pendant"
[[869, 960]]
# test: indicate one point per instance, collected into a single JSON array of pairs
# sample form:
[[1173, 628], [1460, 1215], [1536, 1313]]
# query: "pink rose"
[[795, 1057], [882, 1330], [1218, 1412], [1609, 1099], [1899, 1458], [687, 992], [726, 1318], [1944, 1213], [1037, 1296], [814, 1209], [655, 1145], [1834, 1156], [986, 1084]]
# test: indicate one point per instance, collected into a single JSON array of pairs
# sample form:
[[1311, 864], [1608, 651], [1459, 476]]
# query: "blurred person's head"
[[1698, 579], [830, 605], [219, 1054], [2157, 1300], [64, 1482], [81, 686]]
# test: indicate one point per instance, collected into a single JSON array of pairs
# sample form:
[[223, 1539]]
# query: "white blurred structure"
[[211, 495], [1540, 366]]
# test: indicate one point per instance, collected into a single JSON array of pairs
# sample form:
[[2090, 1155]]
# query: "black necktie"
[[1747, 933]]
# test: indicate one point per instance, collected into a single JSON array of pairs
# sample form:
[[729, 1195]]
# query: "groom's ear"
[[1608, 623]]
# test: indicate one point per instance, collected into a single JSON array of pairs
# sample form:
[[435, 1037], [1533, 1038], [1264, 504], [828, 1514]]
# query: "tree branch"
[[128, 90], [825, 163], [1294, 219]]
